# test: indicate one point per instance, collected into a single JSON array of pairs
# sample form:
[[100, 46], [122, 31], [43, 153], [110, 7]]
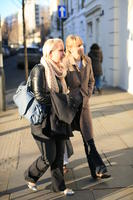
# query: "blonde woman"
[[49, 76], [80, 81]]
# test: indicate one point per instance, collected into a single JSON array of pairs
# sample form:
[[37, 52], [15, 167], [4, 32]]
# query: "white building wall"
[[75, 24], [102, 22], [30, 21], [32, 15], [54, 15], [124, 73], [110, 24], [111, 66], [126, 45], [20, 28], [129, 59]]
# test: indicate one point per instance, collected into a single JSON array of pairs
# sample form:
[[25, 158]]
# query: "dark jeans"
[[98, 82], [95, 161], [52, 153]]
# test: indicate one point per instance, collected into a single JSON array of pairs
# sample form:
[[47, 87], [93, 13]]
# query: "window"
[[90, 29], [81, 4], [97, 29]]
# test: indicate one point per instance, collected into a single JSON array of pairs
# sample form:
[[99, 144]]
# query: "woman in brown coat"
[[80, 82]]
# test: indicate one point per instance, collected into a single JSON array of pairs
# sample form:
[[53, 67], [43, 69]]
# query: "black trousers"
[[94, 159], [52, 153]]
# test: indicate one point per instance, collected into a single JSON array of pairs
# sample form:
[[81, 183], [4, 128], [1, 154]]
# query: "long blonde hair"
[[50, 45], [72, 40]]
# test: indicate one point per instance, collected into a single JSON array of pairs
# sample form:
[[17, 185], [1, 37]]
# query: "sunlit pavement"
[[112, 114]]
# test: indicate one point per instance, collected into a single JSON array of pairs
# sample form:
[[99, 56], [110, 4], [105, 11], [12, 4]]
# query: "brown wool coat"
[[82, 80]]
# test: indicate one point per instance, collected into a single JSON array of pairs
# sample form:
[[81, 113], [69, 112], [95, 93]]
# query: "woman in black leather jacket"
[[49, 76]]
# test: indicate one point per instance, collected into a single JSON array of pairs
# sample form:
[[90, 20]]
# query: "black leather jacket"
[[38, 85]]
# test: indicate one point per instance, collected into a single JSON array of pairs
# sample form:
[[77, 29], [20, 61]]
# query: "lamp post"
[[62, 14], [2, 76], [24, 38], [42, 31]]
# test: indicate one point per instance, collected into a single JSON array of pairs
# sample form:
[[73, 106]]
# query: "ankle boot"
[[98, 162]]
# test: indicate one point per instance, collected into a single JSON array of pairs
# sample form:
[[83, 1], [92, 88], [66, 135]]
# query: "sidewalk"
[[112, 115]]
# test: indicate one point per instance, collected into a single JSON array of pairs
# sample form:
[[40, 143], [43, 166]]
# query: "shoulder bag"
[[28, 106]]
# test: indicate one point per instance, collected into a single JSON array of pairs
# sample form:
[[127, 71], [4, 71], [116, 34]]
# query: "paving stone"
[[9, 156], [70, 180], [28, 150], [5, 197], [100, 194], [121, 176], [4, 177], [83, 179], [109, 124], [117, 180], [110, 143], [47, 195], [99, 129], [123, 157], [114, 194], [39, 195], [128, 138], [18, 183]]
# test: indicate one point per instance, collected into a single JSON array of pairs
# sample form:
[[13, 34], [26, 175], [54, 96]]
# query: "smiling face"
[[57, 54]]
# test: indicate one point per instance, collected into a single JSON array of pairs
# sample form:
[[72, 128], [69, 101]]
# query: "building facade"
[[37, 25], [55, 30], [10, 30], [108, 23]]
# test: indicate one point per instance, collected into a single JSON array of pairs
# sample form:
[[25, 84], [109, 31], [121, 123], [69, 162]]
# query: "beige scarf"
[[51, 72]]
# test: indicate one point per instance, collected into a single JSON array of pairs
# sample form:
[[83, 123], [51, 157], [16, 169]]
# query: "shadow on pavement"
[[13, 130], [78, 178], [110, 110]]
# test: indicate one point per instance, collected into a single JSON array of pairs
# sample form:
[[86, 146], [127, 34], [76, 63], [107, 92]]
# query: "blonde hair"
[[50, 45], [73, 40]]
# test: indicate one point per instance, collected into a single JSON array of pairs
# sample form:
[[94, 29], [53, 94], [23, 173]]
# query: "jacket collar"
[[73, 62]]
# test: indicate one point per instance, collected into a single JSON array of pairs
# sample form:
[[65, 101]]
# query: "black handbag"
[[63, 107]]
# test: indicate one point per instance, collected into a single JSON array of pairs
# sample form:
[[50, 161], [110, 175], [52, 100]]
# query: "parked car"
[[33, 57], [5, 51]]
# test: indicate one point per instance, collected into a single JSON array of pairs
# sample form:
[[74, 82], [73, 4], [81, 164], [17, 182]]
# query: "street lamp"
[[42, 31], [24, 38], [2, 76]]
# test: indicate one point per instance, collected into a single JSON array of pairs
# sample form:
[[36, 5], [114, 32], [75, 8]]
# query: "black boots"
[[95, 162], [90, 161]]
